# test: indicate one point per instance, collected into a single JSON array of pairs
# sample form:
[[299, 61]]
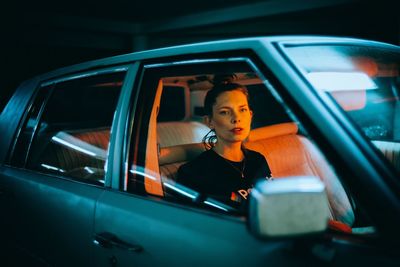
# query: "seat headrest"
[[177, 133], [273, 131], [351, 100]]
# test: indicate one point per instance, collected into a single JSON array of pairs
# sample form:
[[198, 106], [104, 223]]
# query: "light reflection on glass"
[[89, 170], [214, 204], [77, 144], [341, 81], [143, 174], [51, 167], [74, 147], [181, 191]]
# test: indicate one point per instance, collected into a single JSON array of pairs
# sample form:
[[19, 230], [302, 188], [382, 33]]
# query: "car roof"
[[203, 47]]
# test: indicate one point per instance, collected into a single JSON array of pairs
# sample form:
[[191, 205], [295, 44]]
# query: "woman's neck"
[[231, 151]]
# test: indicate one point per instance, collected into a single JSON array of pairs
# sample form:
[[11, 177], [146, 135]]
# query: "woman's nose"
[[235, 118]]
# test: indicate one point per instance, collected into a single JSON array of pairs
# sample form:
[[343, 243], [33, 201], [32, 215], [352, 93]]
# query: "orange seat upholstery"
[[290, 154], [171, 158], [80, 154], [180, 132], [179, 142], [68, 159], [287, 152]]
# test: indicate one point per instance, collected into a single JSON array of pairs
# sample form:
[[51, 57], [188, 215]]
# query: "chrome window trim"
[[195, 61], [84, 75]]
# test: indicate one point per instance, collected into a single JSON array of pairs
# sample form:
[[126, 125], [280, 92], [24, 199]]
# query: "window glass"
[[156, 160], [364, 82], [73, 133]]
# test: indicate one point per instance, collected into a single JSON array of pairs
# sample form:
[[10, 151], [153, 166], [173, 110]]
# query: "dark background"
[[38, 36]]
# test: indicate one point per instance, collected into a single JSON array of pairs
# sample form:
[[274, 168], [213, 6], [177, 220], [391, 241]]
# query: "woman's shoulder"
[[253, 154], [190, 172], [200, 161]]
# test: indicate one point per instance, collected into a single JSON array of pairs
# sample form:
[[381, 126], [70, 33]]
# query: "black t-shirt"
[[214, 176]]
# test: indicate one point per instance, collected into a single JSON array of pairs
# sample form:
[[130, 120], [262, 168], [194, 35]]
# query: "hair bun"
[[224, 79]]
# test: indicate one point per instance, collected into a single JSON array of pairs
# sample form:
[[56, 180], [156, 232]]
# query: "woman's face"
[[231, 117]]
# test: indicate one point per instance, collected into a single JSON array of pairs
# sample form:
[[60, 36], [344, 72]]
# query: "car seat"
[[291, 154], [287, 152]]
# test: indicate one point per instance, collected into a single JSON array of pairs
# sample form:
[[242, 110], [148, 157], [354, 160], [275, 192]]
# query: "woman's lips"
[[237, 130]]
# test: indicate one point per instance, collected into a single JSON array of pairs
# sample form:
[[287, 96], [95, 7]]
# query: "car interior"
[[288, 152]]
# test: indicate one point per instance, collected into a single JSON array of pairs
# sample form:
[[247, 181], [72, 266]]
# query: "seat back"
[[79, 154], [180, 132], [171, 158], [290, 154], [179, 142], [287, 152]]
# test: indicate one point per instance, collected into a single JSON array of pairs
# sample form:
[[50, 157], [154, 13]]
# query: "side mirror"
[[288, 206]]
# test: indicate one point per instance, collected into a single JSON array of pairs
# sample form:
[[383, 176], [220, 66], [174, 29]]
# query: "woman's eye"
[[223, 112], [243, 109]]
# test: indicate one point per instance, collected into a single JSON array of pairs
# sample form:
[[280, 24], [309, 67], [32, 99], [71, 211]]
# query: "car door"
[[56, 170], [147, 219], [142, 221]]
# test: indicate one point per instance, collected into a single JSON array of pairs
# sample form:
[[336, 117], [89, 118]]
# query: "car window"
[[364, 82], [164, 146], [67, 130]]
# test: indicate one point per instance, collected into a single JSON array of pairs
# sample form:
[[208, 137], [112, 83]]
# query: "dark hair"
[[222, 84]]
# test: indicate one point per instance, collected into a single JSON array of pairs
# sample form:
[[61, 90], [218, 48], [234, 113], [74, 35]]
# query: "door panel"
[[53, 218], [65, 141], [176, 236], [7, 205]]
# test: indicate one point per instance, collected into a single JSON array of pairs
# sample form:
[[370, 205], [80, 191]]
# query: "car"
[[89, 157]]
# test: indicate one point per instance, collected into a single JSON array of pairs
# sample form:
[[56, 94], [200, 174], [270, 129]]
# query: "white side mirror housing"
[[288, 207]]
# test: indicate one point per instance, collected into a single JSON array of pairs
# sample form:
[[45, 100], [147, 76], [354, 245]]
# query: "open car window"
[[171, 139]]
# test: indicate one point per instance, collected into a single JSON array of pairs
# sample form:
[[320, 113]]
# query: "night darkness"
[[42, 36]]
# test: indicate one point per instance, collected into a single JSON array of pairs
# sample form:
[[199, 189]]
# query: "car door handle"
[[109, 240]]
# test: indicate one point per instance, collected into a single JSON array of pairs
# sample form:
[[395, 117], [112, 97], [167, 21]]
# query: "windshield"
[[364, 82]]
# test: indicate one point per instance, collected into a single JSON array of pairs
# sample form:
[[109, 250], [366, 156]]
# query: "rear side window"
[[71, 128]]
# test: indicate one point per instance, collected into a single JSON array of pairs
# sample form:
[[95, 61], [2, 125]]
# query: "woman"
[[226, 171]]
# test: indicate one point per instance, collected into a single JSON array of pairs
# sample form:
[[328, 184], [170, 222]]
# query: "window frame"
[[49, 85], [153, 71], [25, 118]]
